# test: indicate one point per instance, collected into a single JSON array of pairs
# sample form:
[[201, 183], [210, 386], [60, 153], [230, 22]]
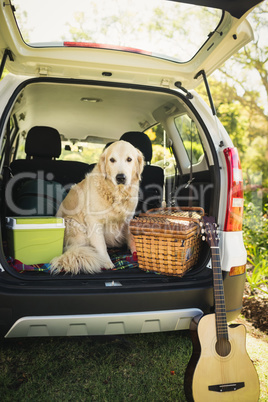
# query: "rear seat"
[[42, 147], [40, 182]]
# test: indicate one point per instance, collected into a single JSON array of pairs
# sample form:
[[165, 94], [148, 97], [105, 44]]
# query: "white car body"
[[125, 90]]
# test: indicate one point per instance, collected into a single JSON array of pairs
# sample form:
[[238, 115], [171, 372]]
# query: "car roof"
[[236, 8]]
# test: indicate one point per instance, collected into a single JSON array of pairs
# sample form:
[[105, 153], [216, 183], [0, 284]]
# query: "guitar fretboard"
[[220, 311]]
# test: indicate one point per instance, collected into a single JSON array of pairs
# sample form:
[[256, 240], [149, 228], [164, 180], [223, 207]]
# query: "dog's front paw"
[[57, 265], [108, 265]]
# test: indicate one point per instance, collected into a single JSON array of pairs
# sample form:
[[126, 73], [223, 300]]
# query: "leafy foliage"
[[256, 242], [240, 94]]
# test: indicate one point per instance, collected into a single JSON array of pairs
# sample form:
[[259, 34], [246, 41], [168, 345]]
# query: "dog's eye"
[[129, 159], [112, 160]]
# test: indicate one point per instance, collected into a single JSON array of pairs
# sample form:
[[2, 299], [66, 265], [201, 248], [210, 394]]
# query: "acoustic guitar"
[[220, 368]]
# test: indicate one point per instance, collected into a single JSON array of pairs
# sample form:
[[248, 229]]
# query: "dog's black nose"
[[120, 178]]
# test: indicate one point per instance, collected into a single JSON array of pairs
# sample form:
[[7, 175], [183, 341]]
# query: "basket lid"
[[163, 224], [183, 212]]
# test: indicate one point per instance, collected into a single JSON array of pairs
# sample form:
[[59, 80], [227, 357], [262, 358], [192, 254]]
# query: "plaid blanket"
[[122, 259]]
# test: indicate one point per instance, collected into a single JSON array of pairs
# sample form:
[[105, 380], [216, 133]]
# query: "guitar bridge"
[[226, 387]]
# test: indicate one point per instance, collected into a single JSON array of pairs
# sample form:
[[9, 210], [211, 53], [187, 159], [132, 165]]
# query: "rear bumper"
[[103, 324], [67, 311]]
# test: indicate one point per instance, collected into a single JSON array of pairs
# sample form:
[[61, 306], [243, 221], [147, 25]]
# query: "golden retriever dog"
[[97, 211]]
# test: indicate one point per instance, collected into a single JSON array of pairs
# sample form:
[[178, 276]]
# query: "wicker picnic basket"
[[168, 239]]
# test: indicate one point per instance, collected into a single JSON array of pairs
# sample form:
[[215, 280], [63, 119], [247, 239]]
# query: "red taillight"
[[235, 198]]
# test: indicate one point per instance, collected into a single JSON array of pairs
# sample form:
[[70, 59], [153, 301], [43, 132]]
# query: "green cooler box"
[[35, 240]]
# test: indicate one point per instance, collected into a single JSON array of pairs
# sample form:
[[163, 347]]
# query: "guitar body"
[[221, 378], [220, 369]]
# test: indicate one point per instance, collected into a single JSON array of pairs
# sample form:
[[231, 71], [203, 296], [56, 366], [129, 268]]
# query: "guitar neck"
[[220, 311]]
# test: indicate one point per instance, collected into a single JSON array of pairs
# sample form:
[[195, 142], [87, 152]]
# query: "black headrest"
[[141, 141], [43, 142]]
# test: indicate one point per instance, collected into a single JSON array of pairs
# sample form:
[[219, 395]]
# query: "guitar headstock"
[[209, 228]]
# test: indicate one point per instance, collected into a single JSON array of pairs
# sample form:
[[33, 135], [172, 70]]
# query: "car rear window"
[[159, 28]]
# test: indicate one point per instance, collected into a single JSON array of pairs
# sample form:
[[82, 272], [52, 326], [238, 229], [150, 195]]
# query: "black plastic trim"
[[17, 303], [236, 8]]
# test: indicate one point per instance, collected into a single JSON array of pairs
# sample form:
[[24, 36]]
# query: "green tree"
[[240, 94]]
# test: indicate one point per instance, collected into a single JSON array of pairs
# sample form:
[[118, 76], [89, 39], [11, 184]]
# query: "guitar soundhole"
[[223, 347]]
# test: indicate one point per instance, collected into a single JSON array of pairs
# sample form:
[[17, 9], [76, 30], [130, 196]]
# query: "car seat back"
[[39, 182], [42, 147], [151, 185]]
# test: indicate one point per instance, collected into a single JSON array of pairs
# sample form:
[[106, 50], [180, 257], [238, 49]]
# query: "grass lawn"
[[135, 367], [148, 367]]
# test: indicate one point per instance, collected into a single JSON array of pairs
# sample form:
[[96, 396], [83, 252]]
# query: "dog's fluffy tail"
[[78, 259]]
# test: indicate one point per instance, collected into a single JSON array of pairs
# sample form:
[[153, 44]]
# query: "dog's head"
[[121, 163]]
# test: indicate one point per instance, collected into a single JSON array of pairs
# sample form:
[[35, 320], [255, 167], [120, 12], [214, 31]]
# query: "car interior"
[[58, 129]]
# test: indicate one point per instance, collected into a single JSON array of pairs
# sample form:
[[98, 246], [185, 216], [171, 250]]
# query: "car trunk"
[[57, 103]]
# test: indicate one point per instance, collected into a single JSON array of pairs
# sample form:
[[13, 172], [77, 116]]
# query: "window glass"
[[21, 147], [81, 151], [190, 137], [162, 155], [71, 150], [158, 28]]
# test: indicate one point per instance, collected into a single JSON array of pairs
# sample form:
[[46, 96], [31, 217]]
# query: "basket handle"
[[194, 209], [199, 210], [180, 218]]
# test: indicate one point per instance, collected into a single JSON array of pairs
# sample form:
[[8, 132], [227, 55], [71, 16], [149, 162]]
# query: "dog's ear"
[[102, 164], [140, 164]]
